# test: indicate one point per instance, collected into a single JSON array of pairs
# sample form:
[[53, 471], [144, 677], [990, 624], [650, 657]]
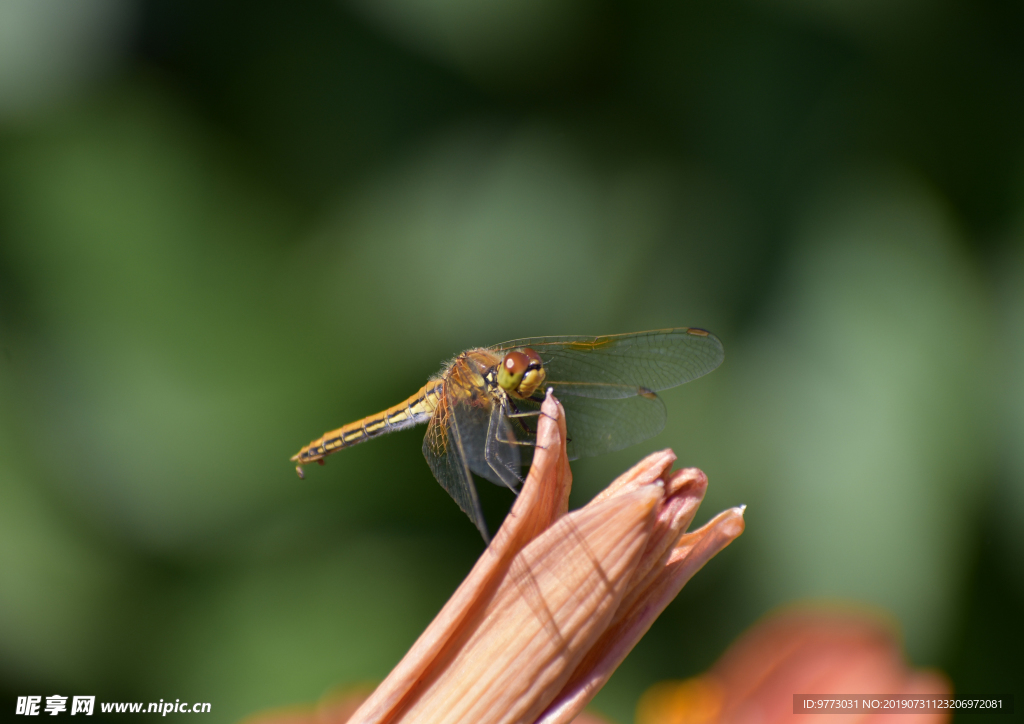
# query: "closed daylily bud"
[[557, 600]]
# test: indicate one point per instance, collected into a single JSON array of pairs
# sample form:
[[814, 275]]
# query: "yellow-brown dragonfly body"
[[478, 407], [465, 377]]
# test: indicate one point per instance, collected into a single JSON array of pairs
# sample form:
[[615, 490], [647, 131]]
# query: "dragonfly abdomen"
[[413, 411]]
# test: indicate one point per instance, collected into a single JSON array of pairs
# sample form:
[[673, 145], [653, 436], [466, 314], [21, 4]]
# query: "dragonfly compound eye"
[[512, 369], [534, 359]]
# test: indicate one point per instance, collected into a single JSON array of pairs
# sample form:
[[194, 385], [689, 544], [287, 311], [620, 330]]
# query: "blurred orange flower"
[[813, 651], [557, 600]]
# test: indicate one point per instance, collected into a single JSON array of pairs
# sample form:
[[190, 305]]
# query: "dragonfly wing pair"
[[607, 385], [469, 435]]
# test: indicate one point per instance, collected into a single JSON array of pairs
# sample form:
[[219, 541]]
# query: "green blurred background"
[[226, 228]]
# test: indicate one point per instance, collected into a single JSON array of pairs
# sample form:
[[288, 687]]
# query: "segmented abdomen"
[[413, 411]]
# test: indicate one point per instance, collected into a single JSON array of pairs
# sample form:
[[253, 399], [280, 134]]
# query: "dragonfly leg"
[[504, 461], [529, 413], [518, 415], [523, 443]]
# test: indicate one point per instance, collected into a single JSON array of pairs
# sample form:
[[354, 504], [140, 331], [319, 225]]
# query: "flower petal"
[[634, 619], [818, 651], [561, 593], [825, 650]]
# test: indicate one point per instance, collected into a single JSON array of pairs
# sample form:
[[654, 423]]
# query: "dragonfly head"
[[521, 372]]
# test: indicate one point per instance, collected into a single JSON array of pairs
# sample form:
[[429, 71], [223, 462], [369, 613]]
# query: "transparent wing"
[[445, 448], [607, 384], [598, 425], [488, 441], [624, 365]]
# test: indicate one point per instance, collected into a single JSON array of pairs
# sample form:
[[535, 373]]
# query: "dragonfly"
[[481, 409]]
